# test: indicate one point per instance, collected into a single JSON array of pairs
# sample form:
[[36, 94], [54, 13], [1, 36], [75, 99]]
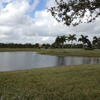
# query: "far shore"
[[57, 52]]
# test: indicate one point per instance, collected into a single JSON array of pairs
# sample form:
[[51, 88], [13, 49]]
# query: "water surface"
[[27, 60]]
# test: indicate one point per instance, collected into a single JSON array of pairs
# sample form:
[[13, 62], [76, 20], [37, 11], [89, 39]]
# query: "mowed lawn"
[[72, 52], [57, 83], [81, 82]]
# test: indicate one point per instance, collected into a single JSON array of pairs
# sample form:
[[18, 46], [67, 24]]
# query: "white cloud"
[[6, 1], [34, 5], [19, 27], [50, 3], [13, 13]]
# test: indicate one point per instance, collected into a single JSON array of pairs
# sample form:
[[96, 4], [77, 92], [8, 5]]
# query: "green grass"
[[72, 52], [57, 83], [58, 52]]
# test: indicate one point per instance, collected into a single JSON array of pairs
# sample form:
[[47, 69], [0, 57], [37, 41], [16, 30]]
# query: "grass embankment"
[[56, 83], [72, 52], [58, 52]]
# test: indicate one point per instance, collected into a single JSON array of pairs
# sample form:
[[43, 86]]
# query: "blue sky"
[[41, 6], [4, 4], [27, 21]]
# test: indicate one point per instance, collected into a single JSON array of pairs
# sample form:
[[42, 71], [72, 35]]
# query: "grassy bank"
[[57, 83], [72, 52], [58, 52]]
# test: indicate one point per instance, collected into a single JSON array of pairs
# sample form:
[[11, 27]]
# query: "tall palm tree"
[[96, 41], [63, 39], [58, 41], [72, 38], [89, 44], [83, 39]]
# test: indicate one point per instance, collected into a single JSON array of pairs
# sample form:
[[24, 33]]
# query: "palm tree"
[[63, 39], [96, 41], [72, 38], [89, 44], [58, 41], [83, 39]]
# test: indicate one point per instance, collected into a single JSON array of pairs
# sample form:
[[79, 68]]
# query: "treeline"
[[60, 42], [37, 45], [86, 43], [15, 45], [27, 45]]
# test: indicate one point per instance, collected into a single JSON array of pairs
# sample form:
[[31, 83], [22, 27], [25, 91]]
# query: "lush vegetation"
[[56, 83], [74, 12], [86, 43], [16, 45]]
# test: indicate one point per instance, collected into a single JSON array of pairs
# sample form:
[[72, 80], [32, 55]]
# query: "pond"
[[27, 60]]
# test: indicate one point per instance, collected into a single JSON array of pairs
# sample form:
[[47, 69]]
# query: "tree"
[[58, 41], [96, 41], [89, 44], [83, 39], [43, 45], [63, 39], [75, 11], [47, 46], [72, 38], [36, 45]]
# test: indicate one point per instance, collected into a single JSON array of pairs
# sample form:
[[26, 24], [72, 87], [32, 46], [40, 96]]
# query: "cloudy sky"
[[27, 21]]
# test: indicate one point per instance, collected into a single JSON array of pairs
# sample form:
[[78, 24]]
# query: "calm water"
[[26, 60]]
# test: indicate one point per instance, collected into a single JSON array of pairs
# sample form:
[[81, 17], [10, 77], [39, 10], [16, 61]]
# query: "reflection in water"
[[60, 61], [27, 60], [90, 60]]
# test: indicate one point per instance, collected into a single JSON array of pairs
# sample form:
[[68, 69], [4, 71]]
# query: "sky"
[[27, 21]]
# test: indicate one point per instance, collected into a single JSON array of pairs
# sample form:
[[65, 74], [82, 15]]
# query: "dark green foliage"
[[89, 44], [43, 44], [15, 45], [72, 12], [59, 41], [37, 45], [72, 38], [96, 42], [84, 40]]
